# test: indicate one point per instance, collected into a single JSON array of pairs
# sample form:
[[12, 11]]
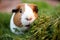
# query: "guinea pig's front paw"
[[21, 32], [17, 31]]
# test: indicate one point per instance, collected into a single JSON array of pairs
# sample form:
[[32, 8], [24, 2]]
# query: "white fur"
[[12, 26], [27, 14]]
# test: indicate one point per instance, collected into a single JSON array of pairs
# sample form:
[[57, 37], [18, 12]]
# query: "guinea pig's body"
[[22, 17]]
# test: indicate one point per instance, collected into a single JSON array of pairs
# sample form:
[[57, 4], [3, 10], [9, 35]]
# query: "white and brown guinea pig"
[[23, 15]]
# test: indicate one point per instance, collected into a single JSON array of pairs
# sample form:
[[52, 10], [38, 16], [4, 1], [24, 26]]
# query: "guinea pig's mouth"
[[27, 25]]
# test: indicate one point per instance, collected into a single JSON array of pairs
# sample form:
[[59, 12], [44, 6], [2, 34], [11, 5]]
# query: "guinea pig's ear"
[[35, 9], [15, 10]]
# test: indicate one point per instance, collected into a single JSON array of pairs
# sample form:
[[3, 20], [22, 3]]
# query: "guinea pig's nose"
[[28, 19]]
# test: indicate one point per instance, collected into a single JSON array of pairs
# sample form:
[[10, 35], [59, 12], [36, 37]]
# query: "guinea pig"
[[22, 16]]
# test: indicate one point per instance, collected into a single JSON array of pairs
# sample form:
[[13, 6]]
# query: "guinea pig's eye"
[[20, 10]]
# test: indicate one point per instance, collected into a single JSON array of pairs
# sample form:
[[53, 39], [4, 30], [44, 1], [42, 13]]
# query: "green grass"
[[46, 27]]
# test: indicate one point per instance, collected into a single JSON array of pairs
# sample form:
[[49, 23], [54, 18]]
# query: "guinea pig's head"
[[25, 14]]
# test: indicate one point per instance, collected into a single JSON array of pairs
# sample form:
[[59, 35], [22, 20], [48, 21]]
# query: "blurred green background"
[[46, 27]]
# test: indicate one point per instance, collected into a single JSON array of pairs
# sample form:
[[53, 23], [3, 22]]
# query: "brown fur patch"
[[17, 20], [36, 15], [21, 6], [35, 9], [17, 16]]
